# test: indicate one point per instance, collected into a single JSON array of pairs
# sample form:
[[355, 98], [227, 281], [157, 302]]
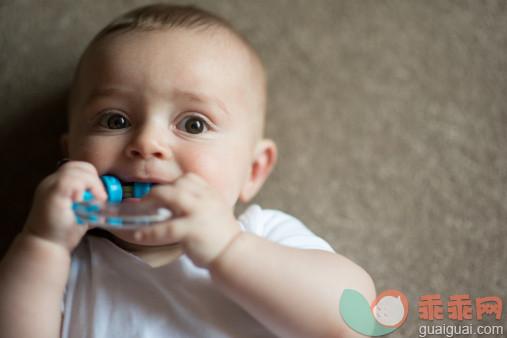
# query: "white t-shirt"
[[112, 293]]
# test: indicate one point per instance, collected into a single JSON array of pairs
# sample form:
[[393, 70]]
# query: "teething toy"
[[113, 213], [117, 192]]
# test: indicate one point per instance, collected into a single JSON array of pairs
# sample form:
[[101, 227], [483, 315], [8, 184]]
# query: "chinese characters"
[[459, 307]]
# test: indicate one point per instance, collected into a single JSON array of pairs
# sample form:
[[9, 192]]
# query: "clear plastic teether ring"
[[120, 215]]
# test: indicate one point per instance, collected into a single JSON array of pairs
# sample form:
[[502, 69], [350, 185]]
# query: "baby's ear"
[[264, 161], [64, 144]]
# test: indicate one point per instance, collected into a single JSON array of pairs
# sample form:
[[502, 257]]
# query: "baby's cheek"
[[98, 152], [221, 173]]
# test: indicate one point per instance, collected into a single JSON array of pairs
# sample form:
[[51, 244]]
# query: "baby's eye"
[[114, 121], [192, 125]]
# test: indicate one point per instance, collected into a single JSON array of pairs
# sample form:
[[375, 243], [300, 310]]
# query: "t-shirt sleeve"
[[281, 228]]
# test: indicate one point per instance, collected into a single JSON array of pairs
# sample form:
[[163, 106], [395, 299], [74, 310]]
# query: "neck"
[[153, 255]]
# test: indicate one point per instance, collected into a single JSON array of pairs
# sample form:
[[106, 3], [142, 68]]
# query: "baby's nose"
[[148, 143]]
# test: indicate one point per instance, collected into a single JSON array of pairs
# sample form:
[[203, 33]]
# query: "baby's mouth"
[[131, 200], [128, 190], [133, 191]]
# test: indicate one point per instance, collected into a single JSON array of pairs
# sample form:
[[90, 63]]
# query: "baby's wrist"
[[31, 238], [233, 247]]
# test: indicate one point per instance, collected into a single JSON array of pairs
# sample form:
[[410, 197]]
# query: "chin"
[[126, 240]]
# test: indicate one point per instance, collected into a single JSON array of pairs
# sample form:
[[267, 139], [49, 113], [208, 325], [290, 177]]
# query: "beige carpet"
[[390, 116]]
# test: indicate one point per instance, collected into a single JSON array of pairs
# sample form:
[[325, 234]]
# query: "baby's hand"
[[204, 223], [51, 217]]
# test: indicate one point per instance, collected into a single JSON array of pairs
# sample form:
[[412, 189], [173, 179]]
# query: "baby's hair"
[[165, 16]]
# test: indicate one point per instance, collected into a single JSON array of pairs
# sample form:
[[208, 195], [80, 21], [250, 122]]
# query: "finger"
[[80, 166], [179, 200], [91, 183], [82, 176], [191, 182]]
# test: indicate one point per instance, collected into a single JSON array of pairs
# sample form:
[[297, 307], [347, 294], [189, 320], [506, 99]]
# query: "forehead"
[[213, 62]]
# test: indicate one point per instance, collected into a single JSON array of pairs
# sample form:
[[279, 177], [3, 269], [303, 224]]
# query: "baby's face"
[[151, 106]]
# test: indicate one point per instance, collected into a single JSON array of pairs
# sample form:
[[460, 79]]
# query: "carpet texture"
[[390, 118]]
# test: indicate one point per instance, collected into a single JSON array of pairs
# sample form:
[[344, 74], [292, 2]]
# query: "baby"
[[174, 96]]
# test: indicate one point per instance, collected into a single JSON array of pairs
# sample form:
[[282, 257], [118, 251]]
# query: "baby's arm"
[[293, 292], [34, 271]]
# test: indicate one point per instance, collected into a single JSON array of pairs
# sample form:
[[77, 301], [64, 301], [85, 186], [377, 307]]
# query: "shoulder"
[[280, 227]]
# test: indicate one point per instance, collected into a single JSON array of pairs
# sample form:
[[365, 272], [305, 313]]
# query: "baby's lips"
[[153, 179], [131, 200]]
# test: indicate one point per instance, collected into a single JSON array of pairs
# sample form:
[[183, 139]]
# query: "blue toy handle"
[[141, 189], [115, 190]]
